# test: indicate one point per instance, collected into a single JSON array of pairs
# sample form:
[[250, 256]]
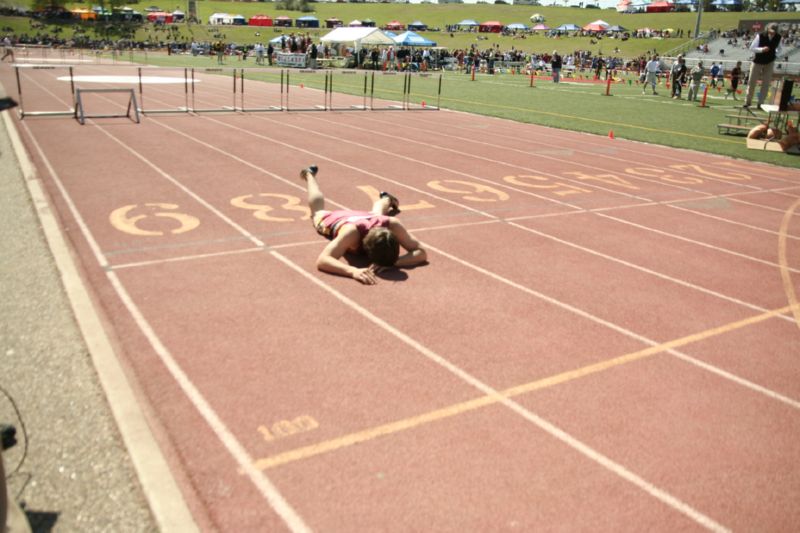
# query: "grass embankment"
[[435, 16], [574, 106]]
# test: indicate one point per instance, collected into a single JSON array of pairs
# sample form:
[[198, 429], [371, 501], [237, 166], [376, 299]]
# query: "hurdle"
[[360, 91], [21, 109], [181, 109], [81, 115], [261, 93]]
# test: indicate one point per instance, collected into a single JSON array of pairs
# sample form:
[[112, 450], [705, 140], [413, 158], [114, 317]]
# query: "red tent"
[[660, 7], [491, 27], [160, 16], [594, 27], [260, 20], [395, 26]]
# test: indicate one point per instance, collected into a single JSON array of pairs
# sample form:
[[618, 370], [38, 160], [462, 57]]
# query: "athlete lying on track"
[[376, 233]]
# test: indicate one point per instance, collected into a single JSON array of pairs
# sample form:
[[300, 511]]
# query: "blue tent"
[[685, 2], [726, 3], [308, 21], [790, 1], [568, 27], [409, 38], [468, 22], [517, 26]]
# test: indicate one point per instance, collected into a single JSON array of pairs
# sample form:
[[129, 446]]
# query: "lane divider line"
[[369, 434]]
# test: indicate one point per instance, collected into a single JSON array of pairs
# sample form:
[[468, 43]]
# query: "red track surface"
[[603, 339]]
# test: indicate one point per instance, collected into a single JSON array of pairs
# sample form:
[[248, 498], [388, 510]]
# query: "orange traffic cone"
[[302, 86], [610, 134], [423, 103]]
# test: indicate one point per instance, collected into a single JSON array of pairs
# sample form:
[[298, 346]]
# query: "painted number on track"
[[475, 192], [374, 195], [545, 184], [286, 428], [261, 210], [151, 218]]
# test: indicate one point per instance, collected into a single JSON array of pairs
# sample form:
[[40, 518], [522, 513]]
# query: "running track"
[[606, 337]]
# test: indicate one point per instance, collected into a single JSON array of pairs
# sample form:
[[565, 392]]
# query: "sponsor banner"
[[291, 60]]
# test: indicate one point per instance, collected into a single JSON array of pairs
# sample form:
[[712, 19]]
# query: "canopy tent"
[[309, 21], [368, 23], [260, 20], [220, 18], [517, 26], [178, 16], [417, 25], [592, 26], [536, 17], [568, 27], [358, 37], [409, 38], [540, 27], [687, 2], [395, 25], [468, 23], [623, 6], [616, 28], [726, 3], [83, 14], [354, 23], [283, 21], [660, 7], [390, 34], [789, 2], [239, 20], [601, 22], [332, 22], [491, 26], [160, 17]]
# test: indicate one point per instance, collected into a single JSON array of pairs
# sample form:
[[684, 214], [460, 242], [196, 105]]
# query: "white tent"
[[220, 18], [358, 37]]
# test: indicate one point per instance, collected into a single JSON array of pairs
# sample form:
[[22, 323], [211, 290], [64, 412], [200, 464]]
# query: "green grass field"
[[438, 16], [568, 105], [578, 106]]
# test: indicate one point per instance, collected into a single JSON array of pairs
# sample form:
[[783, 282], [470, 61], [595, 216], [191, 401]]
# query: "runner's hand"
[[365, 275]]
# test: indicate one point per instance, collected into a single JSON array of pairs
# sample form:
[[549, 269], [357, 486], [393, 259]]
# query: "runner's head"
[[381, 247]]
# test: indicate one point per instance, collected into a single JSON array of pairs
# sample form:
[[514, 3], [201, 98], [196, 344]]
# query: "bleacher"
[[731, 54]]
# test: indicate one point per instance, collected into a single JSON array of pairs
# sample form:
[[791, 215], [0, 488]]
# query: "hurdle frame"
[[81, 116], [21, 109]]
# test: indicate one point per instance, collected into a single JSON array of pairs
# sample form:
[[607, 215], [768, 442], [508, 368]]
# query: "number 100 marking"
[[286, 428]]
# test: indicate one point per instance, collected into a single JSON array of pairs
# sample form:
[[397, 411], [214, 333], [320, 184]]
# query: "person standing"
[[715, 72], [651, 69], [765, 45], [736, 76], [556, 64], [695, 77], [270, 52], [677, 75]]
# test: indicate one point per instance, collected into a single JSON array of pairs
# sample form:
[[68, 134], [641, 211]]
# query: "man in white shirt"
[[651, 69], [767, 47]]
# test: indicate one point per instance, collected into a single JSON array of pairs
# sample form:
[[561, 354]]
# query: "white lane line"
[[550, 428], [237, 451], [167, 505], [729, 221], [698, 243], [525, 413], [722, 373]]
